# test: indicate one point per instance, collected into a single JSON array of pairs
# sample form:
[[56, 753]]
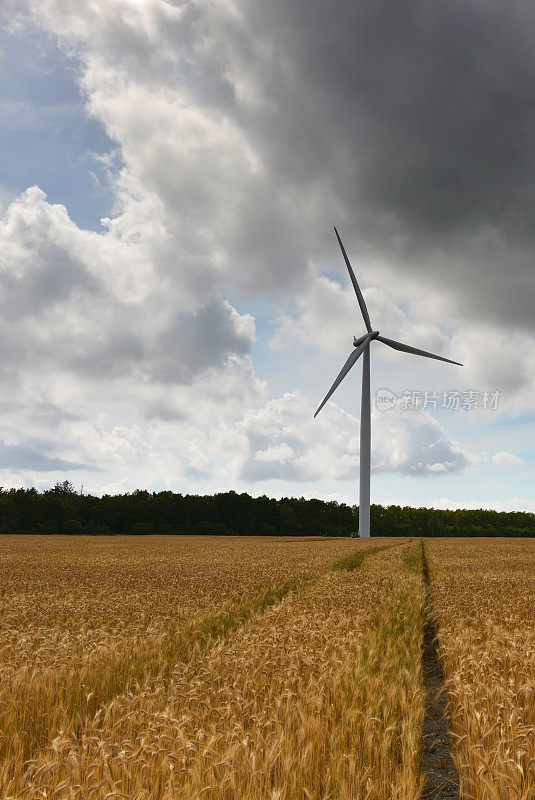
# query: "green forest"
[[62, 510]]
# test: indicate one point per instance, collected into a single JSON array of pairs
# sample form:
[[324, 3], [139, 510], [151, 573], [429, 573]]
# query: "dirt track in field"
[[441, 778]]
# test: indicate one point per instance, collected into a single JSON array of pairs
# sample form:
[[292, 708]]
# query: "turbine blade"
[[356, 287], [406, 348], [353, 358]]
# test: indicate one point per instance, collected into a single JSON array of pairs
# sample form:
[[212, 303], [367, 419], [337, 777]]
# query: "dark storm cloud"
[[421, 116], [438, 100]]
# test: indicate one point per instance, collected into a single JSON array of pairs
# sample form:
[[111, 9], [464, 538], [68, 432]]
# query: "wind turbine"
[[362, 348]]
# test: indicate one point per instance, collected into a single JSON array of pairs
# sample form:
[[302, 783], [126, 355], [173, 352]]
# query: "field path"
[[483, 605], [441, 778]]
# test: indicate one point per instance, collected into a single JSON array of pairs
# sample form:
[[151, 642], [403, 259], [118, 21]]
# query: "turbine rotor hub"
[[371, 334]]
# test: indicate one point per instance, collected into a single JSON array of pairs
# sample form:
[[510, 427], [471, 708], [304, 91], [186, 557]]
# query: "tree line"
[[408, 521], [63, 510]]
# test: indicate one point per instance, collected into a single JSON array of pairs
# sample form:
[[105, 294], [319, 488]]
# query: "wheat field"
[[259, 668], [85, 618], [484, 602]]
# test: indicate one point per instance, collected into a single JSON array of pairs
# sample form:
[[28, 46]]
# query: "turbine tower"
[[362, 348]]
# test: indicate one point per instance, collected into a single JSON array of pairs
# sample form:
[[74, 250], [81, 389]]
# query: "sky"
[[173, 302]]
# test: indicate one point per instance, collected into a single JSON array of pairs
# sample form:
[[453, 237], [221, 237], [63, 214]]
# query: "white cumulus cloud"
[[505, 459], [284, 441]]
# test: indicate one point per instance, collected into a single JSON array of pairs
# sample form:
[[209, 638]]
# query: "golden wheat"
[[484, 602], [317, 697], [85, 619]]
